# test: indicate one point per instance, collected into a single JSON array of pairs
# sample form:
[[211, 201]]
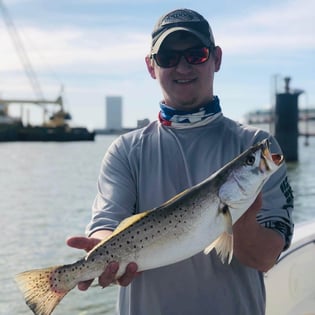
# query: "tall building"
[[114, 112]]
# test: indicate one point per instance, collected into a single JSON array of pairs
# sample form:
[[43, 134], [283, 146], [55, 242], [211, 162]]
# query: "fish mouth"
[[269, 161], [277, 159]]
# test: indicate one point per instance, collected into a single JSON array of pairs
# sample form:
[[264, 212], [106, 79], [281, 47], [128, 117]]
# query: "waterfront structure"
[[113, 113], [54, 129], [113, 118], [266, 116], [286, 120]]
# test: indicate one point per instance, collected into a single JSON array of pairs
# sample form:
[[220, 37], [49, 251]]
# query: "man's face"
[[186, 86]]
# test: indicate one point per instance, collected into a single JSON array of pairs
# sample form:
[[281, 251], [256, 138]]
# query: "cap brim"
[[155, 48]]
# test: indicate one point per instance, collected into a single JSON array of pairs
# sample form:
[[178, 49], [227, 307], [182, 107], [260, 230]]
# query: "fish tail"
[[38, 290]]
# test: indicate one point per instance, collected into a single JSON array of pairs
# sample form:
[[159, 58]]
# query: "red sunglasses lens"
[[197, 56], [194, 56]]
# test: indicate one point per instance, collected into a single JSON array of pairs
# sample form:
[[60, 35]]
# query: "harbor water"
[[46, 193]]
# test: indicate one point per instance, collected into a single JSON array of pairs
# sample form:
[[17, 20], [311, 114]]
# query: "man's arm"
[[254, 245], [109, 274]]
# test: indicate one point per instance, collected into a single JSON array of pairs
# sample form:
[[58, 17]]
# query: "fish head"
[[246, 175]]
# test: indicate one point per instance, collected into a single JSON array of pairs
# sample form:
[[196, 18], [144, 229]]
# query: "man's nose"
[[183, 65]]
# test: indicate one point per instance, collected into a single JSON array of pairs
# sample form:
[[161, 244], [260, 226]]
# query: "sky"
[[90, 49]]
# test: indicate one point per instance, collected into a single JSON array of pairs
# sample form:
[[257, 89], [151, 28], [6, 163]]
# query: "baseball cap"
[[181, 20]]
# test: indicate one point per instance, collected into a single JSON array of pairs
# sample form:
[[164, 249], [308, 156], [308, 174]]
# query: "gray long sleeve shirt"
[[146, 167]]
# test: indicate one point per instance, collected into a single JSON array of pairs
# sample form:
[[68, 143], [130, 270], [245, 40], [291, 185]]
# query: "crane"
[[30, 73], [19, 47]]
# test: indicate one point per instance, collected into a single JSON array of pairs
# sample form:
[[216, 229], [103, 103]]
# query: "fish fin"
[[130, 221], [224, 243], [38, 292], [123, 225], [223, 246]]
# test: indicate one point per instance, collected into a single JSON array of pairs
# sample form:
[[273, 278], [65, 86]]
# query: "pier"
[[286, 120]]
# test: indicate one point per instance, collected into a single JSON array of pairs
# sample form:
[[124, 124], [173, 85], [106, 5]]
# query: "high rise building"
[[114, 112]]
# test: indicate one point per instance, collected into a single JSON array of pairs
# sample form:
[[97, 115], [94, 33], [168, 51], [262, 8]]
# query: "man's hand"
[[255, 245], [109, 274]]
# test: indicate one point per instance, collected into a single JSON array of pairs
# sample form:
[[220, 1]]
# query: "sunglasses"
[[171, 58]]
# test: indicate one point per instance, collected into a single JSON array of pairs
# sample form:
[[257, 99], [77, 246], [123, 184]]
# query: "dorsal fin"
[[135, 218], [123, 225]]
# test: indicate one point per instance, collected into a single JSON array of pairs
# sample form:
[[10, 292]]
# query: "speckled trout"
[[197, 219]]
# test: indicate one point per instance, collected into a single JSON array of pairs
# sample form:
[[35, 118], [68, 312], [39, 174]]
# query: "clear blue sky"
[[96, 48]]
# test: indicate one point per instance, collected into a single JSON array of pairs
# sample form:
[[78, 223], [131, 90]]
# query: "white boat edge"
[[290, 284]]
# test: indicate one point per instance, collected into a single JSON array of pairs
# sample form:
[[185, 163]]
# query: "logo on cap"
[[181, 16]]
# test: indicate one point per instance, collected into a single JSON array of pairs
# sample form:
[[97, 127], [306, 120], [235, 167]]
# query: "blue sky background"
[[96, 48]]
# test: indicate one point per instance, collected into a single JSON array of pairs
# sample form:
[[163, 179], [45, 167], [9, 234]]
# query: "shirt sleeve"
[[116, 190], [278, 202]]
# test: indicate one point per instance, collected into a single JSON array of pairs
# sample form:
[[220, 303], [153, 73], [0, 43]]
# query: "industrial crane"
[[58, 118]]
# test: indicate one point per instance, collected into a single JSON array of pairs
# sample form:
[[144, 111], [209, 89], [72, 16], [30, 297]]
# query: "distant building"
[[113, 112]]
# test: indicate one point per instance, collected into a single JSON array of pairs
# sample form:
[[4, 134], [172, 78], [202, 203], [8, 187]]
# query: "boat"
[[290, 284], [9, 126], [60, 134], [56, 128]]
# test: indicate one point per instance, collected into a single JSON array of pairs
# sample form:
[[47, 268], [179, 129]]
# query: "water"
[[46, 194]]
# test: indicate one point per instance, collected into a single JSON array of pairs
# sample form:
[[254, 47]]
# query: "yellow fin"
[[176, 197], [129, 221], [224, 243], [123, 225], [38, 293]]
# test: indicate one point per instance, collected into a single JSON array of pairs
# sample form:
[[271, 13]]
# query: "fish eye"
[[250, 160]]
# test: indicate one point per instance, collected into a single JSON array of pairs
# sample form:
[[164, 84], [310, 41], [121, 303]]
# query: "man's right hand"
[[109, 274]]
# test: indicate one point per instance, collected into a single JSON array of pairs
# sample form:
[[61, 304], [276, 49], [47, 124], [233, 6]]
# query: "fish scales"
[[160, 227], [199, 218]]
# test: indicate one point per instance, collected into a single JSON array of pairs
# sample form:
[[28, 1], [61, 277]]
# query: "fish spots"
[[142, 233]]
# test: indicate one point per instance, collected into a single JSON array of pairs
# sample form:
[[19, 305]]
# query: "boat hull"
[[290, 284], [41, 133]]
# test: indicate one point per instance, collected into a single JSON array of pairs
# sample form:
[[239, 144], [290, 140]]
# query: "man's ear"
[[150, 66], [217, 58]]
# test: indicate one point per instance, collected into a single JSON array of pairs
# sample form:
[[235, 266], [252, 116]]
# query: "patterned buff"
[[177, 118]]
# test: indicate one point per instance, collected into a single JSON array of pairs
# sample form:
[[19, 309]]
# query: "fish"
[[197, 219]]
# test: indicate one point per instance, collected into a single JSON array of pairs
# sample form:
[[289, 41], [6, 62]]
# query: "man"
[[191, 140]]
